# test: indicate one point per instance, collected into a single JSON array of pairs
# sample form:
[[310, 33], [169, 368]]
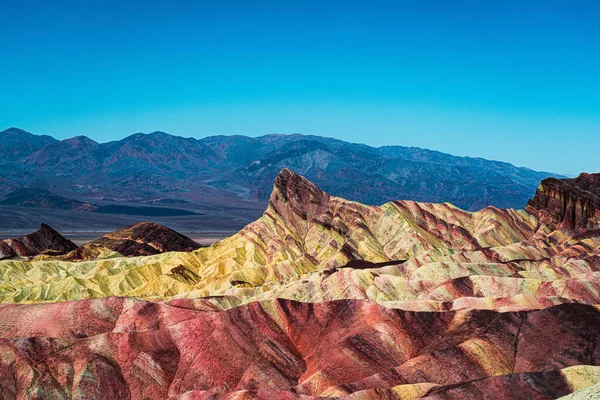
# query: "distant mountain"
[[16, 143], [147, 211], [41, 198], [71, 157], [238, 171]]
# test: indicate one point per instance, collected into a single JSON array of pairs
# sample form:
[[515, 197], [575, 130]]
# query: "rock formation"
[[322, 298], [121, 348], [44, 240], [568, 203], [141, 239]]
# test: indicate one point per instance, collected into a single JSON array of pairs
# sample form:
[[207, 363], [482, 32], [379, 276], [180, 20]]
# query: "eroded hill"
[[324, 297]]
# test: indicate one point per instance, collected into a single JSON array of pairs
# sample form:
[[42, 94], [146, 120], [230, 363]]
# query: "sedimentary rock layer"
[[320, 298], [427, 256], [141, 239], [125, 348], [568, 203], [43, 240]]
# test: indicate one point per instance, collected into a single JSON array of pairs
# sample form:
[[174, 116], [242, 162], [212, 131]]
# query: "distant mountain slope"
[[40, 198], [238, 170], [147, 211], [16, 143]]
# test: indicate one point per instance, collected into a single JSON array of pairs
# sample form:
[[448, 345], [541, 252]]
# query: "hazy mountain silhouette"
[[236, 170]]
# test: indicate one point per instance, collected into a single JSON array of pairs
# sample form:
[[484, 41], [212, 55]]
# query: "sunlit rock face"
[[322, 297], [568, 203]]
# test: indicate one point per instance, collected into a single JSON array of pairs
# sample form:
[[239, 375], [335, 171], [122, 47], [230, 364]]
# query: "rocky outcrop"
[[568, 203], [310, 246], [44, 240], [124, 348], [141, 239]]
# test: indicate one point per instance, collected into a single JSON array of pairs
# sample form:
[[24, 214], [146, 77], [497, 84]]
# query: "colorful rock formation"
[[44, 240], [141, 239], [568, 203], [322, 298], [121, 348]]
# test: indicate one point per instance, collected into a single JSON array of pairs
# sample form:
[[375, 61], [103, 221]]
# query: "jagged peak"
[[50, 233], [592, 179], [290, 186], [43, 240], [292, 193], [46, 228]]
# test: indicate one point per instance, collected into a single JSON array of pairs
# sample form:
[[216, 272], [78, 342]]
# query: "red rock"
[[43, 240], [287, 350], [568, 203], [141, 239]]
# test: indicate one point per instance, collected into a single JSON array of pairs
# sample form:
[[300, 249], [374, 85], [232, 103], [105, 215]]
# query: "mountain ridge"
[[240, 170], [276, 135]]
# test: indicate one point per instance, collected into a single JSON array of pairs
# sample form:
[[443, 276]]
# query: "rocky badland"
[[322, 297]]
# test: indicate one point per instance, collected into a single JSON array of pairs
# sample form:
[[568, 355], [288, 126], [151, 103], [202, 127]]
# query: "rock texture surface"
[[141, 239], [129, 349], [569, 203], [43, 240], [320, 298]]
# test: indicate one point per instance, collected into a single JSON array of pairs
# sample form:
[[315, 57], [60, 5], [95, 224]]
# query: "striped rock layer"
[[44, 240], [320, 297], [121, 348]]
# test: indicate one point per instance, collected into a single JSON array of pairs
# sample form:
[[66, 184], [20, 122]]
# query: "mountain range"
[[203, 175]]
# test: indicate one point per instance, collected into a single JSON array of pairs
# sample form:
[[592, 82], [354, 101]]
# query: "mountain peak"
[[78, 140], [295, 195], [292, 186], [152, 135], [13, 131], [587, 179], [46, 228]]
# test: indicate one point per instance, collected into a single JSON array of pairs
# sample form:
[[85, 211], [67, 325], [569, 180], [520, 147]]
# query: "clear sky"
[[517, 81]]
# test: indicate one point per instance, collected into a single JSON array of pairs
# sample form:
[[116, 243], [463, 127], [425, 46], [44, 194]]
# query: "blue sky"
[[508, 80]]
